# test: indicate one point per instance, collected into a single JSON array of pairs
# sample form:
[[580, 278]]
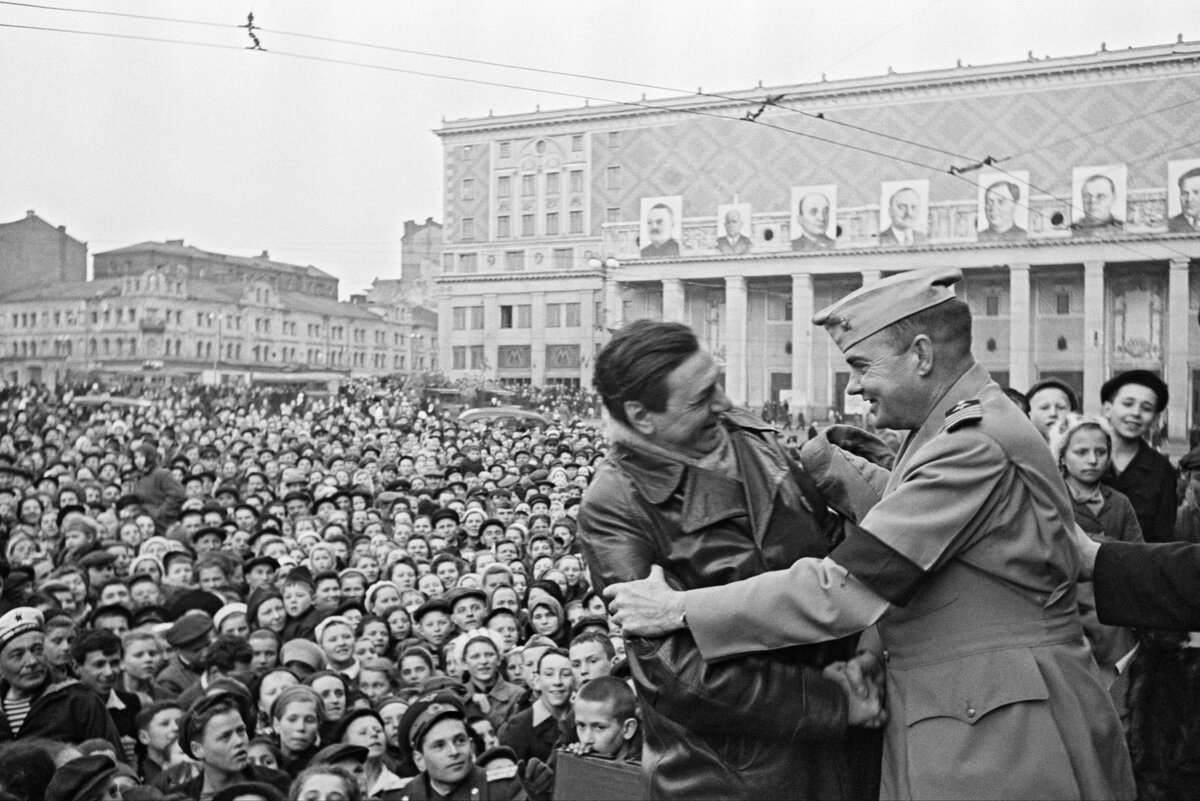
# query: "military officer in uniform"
[[441, 744], [964, 564]]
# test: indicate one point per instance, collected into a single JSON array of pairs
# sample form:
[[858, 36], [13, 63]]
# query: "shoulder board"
[[501, 773], [966, 413]]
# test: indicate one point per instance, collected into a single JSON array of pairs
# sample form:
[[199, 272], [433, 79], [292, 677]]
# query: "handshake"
[[862, 679]]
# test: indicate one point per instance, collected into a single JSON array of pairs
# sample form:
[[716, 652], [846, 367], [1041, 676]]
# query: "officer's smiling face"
[[888, 381]]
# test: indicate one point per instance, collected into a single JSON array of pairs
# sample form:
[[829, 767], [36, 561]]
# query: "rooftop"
[[177, 249]]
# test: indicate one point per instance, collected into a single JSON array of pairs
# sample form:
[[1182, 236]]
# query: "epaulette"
[[501, 772], [965, 413]]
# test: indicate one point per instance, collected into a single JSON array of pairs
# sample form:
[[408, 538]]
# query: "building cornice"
[[1134, 63], [471, 278]]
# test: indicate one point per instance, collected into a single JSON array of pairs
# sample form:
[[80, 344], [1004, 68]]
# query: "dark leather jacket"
[[761, 726]]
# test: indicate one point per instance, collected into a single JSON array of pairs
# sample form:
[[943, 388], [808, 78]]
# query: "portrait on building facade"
[[1183, 196], [814, 217], [1003, 206], [1098, 199], [733, 229], [662, 226], [903, 212]]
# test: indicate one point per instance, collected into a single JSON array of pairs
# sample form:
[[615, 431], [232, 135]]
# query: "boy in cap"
[[441, 744], [189, 636], [1132, 402], [213, 731], [89, 778], [31, 703]]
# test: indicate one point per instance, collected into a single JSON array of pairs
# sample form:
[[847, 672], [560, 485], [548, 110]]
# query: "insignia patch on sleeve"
[[966, 413]]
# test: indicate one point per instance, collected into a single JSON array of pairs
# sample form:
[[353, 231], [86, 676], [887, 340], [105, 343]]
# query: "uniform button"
[[970, 711], [887, 656]]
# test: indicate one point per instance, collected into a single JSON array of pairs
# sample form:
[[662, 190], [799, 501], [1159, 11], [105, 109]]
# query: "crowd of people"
[[226, 593], [233, 594]]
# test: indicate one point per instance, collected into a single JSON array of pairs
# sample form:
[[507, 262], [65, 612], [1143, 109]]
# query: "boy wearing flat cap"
[[963, 560], [1132, 402]]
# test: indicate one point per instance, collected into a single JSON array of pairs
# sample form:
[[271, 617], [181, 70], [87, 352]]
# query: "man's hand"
[[536, 779], [864, 695], [1087, 548], [646, 608]]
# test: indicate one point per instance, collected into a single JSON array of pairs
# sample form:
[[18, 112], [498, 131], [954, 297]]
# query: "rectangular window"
[[551, 183], [1062, 302], [576, 181], [503, 227], [468, 189], [506, 316], [466, 262], [552, 223], [575, 220], [992, 306], [527, 189], [527, 225], [563, 258], [612, 214], [612, 177], [458, 318], [576, 143], [524, 315], [468, 228], [448, 262], [476, 318], [459, 356], [554, 315], [505, 149], [614, 138], [514, 260], [504, 186], [477, 361], [571, 315]]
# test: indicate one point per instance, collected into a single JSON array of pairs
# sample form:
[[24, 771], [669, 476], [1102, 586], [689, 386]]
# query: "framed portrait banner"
[[903, 212], [733, 229], [1098, 200], [813, 217], [1003, 206], [1183, 196], [661, 227]]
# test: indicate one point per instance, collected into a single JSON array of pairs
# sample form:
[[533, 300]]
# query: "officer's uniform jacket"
[[967, 566], [497, 784]]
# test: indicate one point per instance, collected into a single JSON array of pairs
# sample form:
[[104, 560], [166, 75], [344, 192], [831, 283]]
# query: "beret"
[[81, 778], [432, 605], [1143, 378]]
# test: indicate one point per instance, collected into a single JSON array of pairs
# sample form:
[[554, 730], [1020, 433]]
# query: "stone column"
[[491, 328], [1020, 355], [673, 307], [735, 338], [802, 343], [537, 339], [1175, 361], [1095, 336], [447, 336], [587, 337], [613, 317]]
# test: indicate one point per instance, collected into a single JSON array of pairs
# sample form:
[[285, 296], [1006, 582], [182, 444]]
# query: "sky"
[[124, 140]]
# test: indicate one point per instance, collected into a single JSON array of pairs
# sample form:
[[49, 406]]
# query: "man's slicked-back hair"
[[636, 362], [948, 326]]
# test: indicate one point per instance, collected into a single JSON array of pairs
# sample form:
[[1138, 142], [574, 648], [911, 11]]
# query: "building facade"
[[1068, 190], [165, 312], [33, 252]]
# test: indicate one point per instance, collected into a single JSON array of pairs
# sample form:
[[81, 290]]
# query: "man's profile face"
[[658, 224], [998, 207], [888, 382], [1189, 196], [733, 224], [904, 208], [814, 214], [690, 423], [1097, 196]]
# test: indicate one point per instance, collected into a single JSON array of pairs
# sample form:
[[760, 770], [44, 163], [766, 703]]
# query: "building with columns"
[[1092, 156]]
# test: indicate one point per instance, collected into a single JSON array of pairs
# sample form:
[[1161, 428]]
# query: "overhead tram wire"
[[988, 161], [655, 106]]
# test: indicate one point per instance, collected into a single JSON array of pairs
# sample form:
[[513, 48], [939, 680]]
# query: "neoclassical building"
[[1063, 188]]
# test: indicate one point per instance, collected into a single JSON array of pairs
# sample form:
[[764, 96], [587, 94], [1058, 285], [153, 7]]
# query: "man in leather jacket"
[[707, 492]]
